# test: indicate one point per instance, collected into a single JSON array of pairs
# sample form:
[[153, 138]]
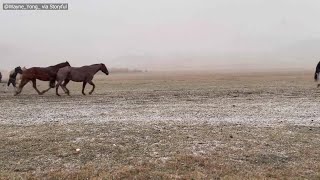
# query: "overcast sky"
[[162, 33]]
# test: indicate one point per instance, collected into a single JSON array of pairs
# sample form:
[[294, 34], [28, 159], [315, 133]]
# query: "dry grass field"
[[165, 126]]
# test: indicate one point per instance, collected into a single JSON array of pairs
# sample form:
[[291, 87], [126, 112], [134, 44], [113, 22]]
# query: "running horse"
[[83, 74], [316, 74], [40, 73]]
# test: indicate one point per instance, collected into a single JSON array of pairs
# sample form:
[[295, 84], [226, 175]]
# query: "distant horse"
[[40, 73], [0, 77], [13, 76], [317, 73], [83, 74]]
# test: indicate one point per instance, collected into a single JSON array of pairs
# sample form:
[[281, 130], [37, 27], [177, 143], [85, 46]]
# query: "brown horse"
[[40, 73], [83, 74]]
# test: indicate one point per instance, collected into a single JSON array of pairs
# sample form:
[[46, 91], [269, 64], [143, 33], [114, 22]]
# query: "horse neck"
[[96, 68]]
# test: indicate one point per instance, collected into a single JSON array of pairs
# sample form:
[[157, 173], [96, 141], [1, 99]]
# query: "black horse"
[[13, 76], [0, 77], [316, 74]]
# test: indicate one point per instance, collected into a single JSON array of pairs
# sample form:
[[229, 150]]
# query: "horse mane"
[[93, 65], [57, 65]]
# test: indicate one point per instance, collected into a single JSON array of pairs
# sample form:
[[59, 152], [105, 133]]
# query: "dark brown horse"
[[40, 73], [83, 74]]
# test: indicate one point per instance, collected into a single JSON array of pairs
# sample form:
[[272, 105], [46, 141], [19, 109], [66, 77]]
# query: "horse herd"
[[63, 73], [57, 75]]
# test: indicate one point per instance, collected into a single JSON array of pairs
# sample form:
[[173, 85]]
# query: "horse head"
[[18, 70], [104, 69]]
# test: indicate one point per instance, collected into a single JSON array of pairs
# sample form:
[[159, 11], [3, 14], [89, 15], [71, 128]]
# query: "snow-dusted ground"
[[256, 99], [174, 126]]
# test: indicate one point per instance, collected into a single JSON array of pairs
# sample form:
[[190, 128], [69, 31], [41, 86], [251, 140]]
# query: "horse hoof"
[[58, 95], [90, 93]]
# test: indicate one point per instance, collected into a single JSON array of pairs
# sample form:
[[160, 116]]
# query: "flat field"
[[165, 125]]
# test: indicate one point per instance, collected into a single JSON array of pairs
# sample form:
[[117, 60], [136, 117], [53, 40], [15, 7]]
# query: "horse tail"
[[52, 83]]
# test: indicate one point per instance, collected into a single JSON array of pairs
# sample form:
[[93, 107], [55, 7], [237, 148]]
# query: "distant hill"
[[125, 70]]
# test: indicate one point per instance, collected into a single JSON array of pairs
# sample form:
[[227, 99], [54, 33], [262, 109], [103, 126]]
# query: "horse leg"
[[44, 91], [14, 85], [318, 86], [93, 87], [83, 86], [21, 85], [51, 85], [57, 87], [34, 85], [64, 85], [8, 84]]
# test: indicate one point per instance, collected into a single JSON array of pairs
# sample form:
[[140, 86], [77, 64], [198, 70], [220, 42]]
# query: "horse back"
[[44, 74], [63, 73]]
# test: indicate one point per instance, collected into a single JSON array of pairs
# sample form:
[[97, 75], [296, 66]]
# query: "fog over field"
[[166, 34], [226, 90]]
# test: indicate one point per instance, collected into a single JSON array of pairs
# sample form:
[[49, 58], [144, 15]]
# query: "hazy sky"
[[162, 33]]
